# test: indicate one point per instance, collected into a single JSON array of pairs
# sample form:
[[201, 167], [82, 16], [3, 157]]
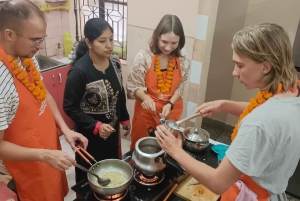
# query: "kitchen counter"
[[64, 60]]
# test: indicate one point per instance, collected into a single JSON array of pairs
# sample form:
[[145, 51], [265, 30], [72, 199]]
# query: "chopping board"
[[196, 192]]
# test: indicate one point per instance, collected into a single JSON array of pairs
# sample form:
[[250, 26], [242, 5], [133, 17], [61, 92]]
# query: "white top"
[[266, 147]]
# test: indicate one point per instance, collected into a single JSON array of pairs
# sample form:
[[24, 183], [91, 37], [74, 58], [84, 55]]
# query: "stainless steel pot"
[[110, 165], [194, 139], [148, 156]]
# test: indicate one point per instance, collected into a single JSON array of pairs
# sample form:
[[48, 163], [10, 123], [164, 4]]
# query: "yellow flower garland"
[[164, 87], [261, 97], [37, 88]]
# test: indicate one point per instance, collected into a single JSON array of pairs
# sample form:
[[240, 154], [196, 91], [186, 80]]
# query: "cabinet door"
[[50, 81], [62, 74]]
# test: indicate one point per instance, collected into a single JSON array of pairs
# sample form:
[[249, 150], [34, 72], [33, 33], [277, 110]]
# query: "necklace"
[[164, 86], [261, 98], [36, 88]]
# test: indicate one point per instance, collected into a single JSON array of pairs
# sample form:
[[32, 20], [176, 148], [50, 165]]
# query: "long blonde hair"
[[268, 42]]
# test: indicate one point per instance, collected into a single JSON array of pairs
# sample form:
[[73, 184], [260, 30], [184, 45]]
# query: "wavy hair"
[[268, 43]]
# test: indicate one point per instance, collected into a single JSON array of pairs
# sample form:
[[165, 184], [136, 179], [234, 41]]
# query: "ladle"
[[101, 181], [175, 124]]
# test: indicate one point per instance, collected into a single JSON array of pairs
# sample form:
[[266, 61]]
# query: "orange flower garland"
[[37, 88], [261, 97], [164, 87]]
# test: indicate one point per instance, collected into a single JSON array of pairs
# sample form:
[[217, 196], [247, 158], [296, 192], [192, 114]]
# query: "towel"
[[220, 149], [245, 194]]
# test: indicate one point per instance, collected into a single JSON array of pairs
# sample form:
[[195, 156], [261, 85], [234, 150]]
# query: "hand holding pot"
[[168, 142]]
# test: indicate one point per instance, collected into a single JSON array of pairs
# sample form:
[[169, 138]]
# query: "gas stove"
[[147, 191]]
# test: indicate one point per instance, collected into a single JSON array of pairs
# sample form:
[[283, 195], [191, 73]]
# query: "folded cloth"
[[220, 149], [246, 194], [6, 194]]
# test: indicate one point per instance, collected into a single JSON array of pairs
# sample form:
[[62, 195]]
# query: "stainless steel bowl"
[[148, 156], [110, 165]]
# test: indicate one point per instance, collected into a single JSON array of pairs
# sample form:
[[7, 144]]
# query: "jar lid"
[[196, 135]]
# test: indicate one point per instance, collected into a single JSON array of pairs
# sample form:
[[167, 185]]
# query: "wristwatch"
[[171, 104]]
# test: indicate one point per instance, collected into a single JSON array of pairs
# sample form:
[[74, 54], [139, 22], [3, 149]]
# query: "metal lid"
[[196, 135]]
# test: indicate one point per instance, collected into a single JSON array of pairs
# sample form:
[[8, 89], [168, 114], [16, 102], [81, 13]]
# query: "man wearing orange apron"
[[29, 144]]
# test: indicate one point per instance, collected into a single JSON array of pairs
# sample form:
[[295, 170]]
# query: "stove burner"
[[148, 181], [115, 197]]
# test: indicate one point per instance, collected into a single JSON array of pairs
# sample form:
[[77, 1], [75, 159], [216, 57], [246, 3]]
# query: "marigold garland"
[[164, 87], [261, 98], [37, 88]]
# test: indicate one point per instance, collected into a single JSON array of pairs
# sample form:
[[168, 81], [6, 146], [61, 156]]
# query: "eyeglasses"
[[35, 41]]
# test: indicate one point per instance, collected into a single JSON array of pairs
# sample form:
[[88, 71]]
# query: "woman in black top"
[[94, 95]]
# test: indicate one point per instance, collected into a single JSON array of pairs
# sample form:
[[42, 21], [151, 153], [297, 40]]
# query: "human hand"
[[105, 131], [148, 104], [57, 159], [72, 136], [209, 108], [166, 110], [167, 141], [4, 179]]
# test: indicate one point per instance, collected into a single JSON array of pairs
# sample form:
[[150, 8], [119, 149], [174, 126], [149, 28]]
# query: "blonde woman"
[[157, 77], [265, 148]]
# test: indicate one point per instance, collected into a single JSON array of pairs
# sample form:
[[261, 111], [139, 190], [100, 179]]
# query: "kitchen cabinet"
[[55, 81]]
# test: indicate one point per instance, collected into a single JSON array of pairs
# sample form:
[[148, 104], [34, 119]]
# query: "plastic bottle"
[[67, 44], [59, 52]]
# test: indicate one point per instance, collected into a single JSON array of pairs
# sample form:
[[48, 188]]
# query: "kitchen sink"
[[46, 63]]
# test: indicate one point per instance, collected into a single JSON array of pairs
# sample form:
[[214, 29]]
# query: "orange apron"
[[34, 127], [143, 119], [232, 193]]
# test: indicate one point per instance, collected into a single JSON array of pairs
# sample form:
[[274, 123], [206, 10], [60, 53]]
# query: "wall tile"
[[204, 7], [195, 72], [65, 30], [52, 33], [51, 51], [198, 50], [65, 22], [54, 14], [53, 23], [191, 107], [193, 92], [201, 27]]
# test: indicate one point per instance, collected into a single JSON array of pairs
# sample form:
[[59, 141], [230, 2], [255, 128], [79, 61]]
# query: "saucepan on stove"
[[194, 139], [118, 171]]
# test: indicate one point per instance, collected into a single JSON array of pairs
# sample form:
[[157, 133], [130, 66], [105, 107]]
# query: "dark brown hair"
[[169, 23], [14, 13]]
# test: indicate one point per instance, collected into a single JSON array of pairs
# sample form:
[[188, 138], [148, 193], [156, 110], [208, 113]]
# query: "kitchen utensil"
[[194, 192], [194, 139], [107, 165], [101, 181], [193, 183], [148, 156], [174, 126], [171, 191], [156, 115]]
